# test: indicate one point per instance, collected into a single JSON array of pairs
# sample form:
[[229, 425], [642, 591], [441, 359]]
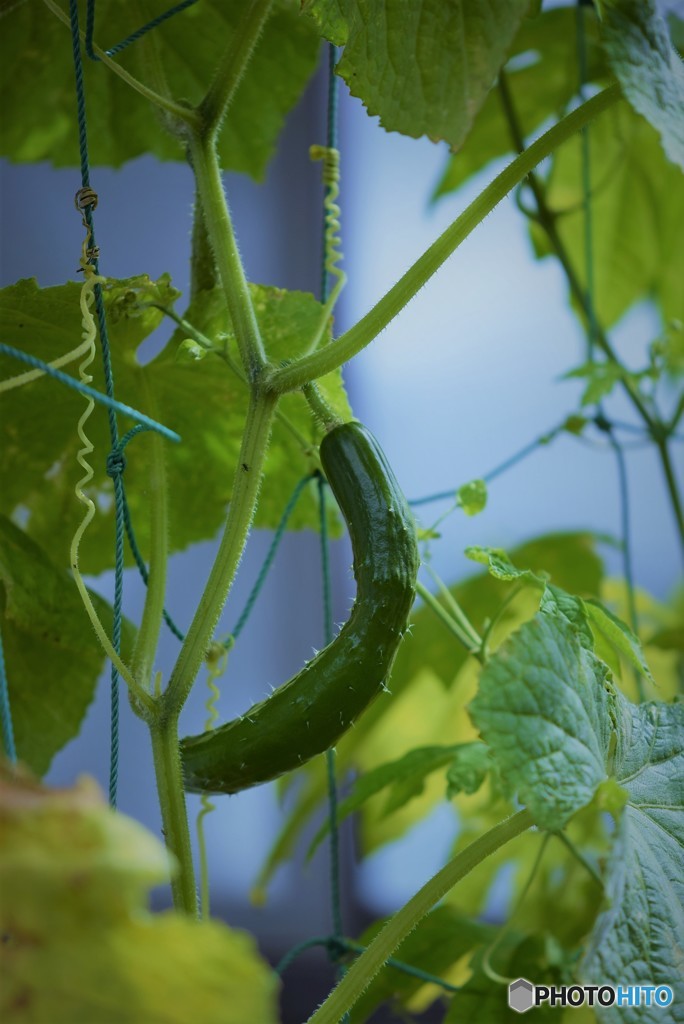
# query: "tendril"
[[89, 334], [333, 242]]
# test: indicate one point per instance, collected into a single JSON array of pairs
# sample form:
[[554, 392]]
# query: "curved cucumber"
[[310, 712]]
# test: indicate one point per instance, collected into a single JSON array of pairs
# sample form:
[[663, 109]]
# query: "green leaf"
[[78, 941], [542, 78], [619, 635], [39, 100], [570, 610], [636, 939], [52, 655], [472, 497], [205, 402], [543, 708], [440, 945], [469, 768], [637, 203], [648, 67], [601, 379], [426, 67], [405, 778], [484, 997], [500, 566]]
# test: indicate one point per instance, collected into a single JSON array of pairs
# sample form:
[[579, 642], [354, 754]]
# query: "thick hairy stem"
[[363, 970], [232, 67], [226, 256], [167, 766], [242, 506]]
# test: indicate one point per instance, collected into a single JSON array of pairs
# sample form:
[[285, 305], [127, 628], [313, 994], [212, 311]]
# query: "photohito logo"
[[523, 995]]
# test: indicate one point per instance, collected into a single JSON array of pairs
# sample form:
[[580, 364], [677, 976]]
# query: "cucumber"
[[310, 712]]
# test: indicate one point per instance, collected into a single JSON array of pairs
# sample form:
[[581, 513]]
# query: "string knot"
[[116, 463], [336, 949], [85, 198]]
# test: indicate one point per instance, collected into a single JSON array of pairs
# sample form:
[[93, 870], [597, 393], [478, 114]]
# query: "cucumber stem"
[[308, 368], [167, 766]]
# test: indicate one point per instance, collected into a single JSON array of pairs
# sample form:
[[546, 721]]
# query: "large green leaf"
[[52, 655], [637, 938], [424, 67], [542, 78], [79, 945], [543, 708], [205, 402], [637, 207], [39, 101], [648, 67], [563, 737]]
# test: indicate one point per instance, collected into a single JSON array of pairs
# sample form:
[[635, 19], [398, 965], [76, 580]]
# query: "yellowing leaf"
[[79, 946]]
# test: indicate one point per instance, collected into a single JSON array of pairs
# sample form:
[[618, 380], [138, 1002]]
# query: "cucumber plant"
[[549, 722]]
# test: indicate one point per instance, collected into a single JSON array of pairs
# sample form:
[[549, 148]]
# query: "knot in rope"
[[116, 463], [336, 949], [85, 198]]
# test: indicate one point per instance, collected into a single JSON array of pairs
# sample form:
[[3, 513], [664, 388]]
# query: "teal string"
[[592, 328], [84, 389], [507, 464], [268, 561], [6, 711], [119, 493], [336, 903], [337, 946], [134, 36]]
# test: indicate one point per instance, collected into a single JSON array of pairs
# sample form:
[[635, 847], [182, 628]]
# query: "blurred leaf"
[[637, 203], [442, 945], [425, 68], [619, 635], [557, 603], [405, 778], [203, 401], [500, 566], [543, 707], [601, 378], [542, 77], [52, 655], [39, 99], [669, 639], [484, 998], [641, 54], [469, 768], [472, 497], [635, 937], [79, 945]]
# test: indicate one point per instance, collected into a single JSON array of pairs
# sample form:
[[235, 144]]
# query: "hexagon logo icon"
[[521, 995]]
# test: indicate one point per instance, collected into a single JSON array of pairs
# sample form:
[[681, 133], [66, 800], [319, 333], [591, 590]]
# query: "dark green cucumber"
[[310, 712]]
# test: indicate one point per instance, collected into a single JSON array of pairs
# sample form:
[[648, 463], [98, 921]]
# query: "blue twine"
[[84, 389], [268, 560], [134, 36], [6, 711]]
